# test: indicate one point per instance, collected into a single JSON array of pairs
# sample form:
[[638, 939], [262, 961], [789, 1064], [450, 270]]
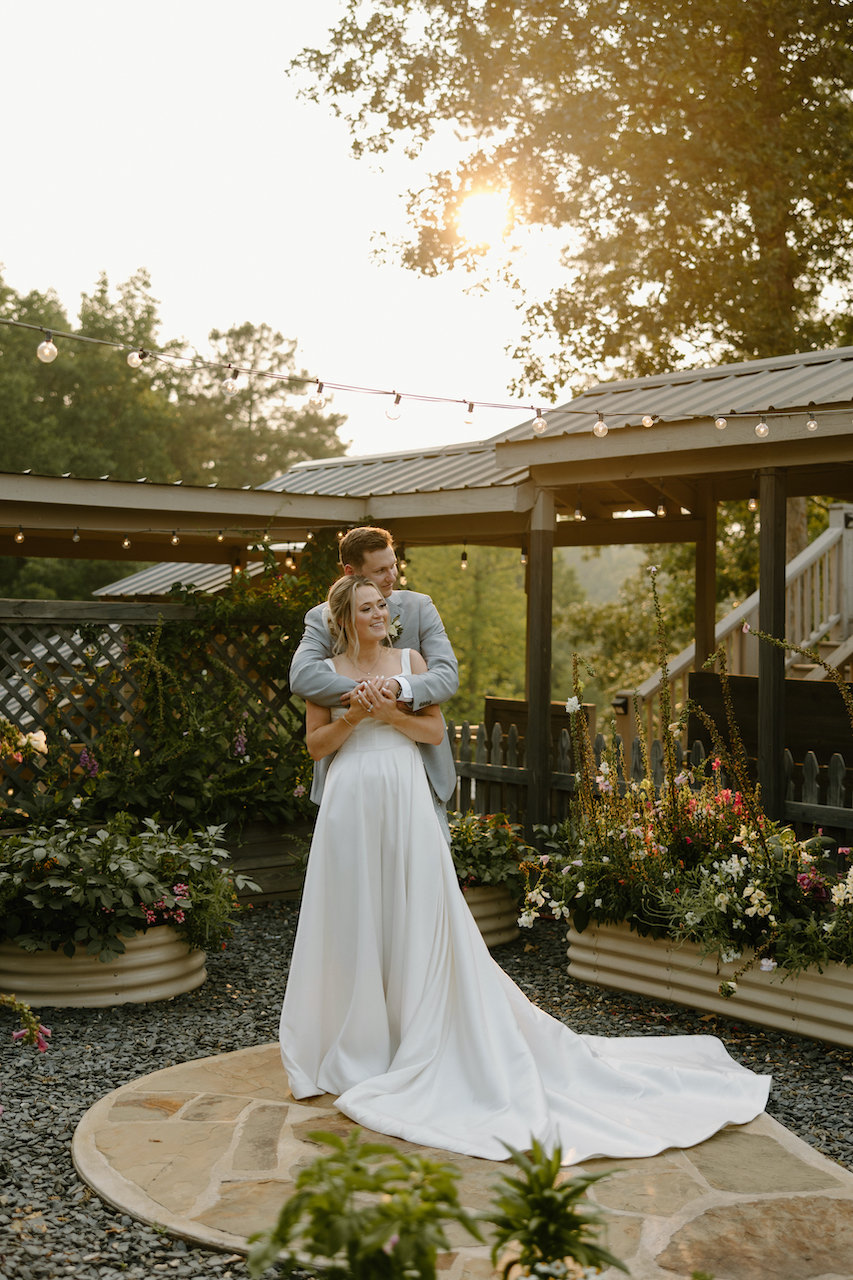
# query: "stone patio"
[[209, 1150]]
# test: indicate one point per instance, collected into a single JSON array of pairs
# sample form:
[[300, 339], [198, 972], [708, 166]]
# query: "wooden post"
[[705, 621], [771, 658], [539, 603]]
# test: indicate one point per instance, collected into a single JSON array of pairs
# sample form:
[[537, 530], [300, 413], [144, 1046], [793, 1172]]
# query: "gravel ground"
[[51, 1225]]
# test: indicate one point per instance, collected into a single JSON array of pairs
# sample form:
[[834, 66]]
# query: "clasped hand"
[[375, 697]]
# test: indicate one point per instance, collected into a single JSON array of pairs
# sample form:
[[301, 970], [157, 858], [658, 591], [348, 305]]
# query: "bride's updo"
[[341, 618]]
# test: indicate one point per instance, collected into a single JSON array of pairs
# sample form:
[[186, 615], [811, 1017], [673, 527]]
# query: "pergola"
[[596, 459]]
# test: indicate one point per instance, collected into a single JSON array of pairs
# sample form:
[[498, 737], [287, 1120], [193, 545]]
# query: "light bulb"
[[394, 411], [125, 542], [648, 420], [811, 424], [135, 358], [752, 504], [315, 400], [524, 555], [75, 537], [403, 581], [229, 386], [174, 539], [661, 511], [720, 424], [47, 351], [469, 413], [761, 429], [600, 429], [578, 513], [220, 537], [539, 423], [463, 560], [19, 536]]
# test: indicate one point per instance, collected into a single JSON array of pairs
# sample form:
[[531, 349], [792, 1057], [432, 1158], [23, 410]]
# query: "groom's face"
[[380, 568]]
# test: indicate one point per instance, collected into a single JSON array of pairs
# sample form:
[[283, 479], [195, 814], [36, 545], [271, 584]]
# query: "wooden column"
[[539, 605], [771, 659], [706, 583]]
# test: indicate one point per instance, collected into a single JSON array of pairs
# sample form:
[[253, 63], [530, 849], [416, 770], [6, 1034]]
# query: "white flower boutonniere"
[[395, 626]]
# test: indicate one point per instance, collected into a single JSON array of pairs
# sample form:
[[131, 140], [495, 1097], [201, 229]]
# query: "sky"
[[169, 136]]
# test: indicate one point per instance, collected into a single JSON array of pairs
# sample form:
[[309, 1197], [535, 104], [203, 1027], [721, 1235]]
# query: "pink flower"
[[41, 1038], [746, 628], [299, 790], [19, 1035]]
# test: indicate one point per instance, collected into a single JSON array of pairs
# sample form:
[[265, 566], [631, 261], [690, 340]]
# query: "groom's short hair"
[[358, 543]]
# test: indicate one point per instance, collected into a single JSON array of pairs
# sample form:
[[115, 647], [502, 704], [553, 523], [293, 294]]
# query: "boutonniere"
[[394, 628]]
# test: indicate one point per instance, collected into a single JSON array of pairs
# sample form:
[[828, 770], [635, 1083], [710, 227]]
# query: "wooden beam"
[[771, 657], [539, 607], [706, 583], [629, 532]]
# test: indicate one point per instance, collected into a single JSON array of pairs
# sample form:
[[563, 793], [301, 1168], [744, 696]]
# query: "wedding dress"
[[395, 1005]]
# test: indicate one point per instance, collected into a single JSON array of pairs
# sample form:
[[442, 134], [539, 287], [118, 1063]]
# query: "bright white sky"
[[167, 135]]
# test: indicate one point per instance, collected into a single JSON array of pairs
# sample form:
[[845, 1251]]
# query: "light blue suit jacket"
[[421, 628]]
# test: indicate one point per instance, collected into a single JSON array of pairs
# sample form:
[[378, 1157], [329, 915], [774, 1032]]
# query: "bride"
[[393, 1002]]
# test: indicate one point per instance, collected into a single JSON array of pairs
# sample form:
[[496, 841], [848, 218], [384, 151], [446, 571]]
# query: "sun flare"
[[483, 217]]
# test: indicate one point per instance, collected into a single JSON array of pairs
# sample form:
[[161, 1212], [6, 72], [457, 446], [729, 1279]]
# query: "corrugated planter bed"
[[810, 1004], [495, 912], [156, 965]]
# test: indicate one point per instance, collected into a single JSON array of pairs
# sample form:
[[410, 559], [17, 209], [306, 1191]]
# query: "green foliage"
[[484, 611], [545, 1219], [488, 849], [200, 747], [664, 142], [365, 1211], [73, 887]]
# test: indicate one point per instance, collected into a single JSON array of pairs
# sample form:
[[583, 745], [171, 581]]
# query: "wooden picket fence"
[[491, 777]]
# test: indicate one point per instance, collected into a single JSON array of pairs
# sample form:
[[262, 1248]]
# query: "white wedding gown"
[[395, 1005]]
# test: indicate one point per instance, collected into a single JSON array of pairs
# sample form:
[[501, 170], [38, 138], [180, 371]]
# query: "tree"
[[695, 157], [259, 432], [484, 611]]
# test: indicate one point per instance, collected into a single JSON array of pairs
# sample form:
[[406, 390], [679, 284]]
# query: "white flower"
[[581, 890], [729, 955], [605, 768], [573, 704], [76, 802], [527, 919], [767, 965], [394, 628], [37, 741], [721, 901], [598, 902]]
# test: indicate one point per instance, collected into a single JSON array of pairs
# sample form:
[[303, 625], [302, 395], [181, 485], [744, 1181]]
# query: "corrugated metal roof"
[[822, 378], [466, 466], [158, 579]]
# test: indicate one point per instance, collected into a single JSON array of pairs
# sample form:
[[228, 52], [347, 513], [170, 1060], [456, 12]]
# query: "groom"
[[413, 623]]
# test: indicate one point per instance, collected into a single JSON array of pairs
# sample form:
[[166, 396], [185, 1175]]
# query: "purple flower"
[[88, 763], [239, 745]]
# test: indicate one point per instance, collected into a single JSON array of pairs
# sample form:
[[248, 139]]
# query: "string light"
[[19, 536], [47, 351], [761, 428], [811, 423], [601, 428], [220, 537], [135, 358], [469, 413], [315, 400], [720, 423], [539, 423], [463, 559], [579, 515], [649, 419], [752, 504], [393, 411], [523, 554], [174, 538], [229, 386], [661, 510], [125, 542], [75, 537]]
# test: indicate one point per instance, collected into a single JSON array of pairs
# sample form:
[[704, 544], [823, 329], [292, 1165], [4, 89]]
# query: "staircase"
[[819, 616]]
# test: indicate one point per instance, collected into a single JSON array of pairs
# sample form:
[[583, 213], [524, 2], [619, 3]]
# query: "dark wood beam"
[[539, 605], [771, 657], [706, 583]]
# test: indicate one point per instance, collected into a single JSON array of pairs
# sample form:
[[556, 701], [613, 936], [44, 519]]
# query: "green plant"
[[74, 887], [545, 1221], [365, 1211], [488, 849]]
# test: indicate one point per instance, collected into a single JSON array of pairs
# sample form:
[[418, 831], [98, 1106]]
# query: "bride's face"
[[371, 615]]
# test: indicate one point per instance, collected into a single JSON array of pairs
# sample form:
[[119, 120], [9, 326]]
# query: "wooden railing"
[[491, 777], [818, 604]]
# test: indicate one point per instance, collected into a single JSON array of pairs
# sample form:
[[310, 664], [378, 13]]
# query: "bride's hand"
[[385, 704]]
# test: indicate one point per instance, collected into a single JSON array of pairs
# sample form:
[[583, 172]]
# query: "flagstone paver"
[[210, 1149]]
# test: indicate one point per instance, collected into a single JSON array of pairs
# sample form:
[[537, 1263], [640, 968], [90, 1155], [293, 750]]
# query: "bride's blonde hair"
[[341, 620]]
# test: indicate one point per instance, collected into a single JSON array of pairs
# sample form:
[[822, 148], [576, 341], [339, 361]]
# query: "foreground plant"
[[548, 1225], [365, 1211], [488, 849]]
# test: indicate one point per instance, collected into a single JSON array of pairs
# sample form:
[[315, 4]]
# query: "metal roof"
[[158, 579], [453, 467], [819, 378]]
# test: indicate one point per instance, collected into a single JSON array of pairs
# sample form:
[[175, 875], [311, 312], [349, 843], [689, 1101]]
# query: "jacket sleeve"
[[310, 674], [441, 680]]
